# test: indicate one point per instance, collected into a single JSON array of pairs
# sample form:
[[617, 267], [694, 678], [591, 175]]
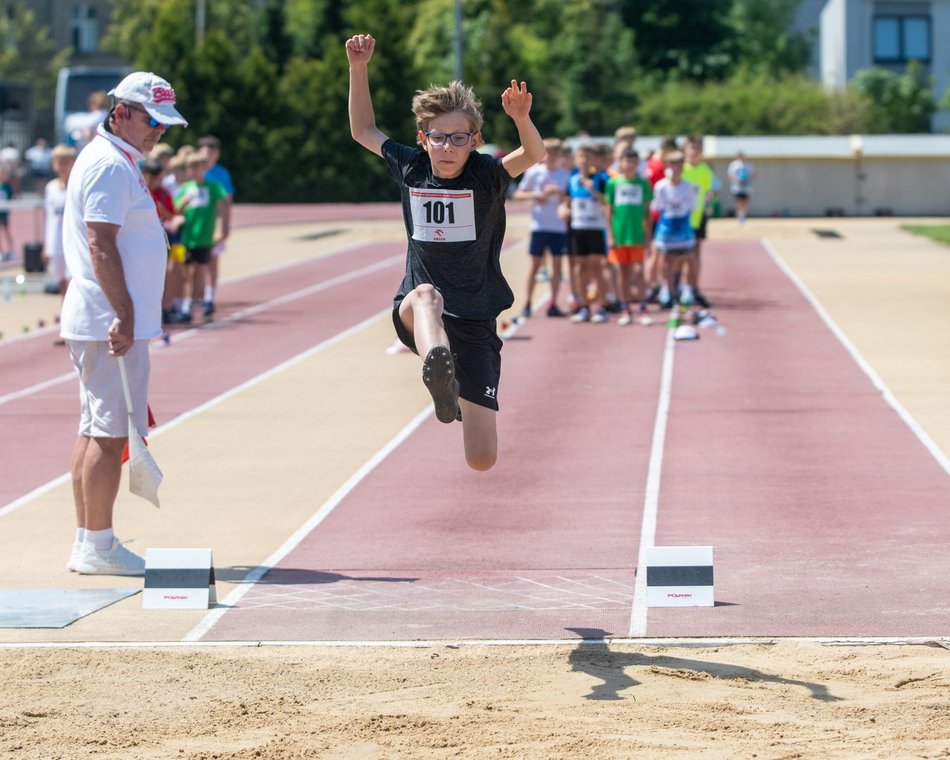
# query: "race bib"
[[586, 214], [629, 195], [442, 216]]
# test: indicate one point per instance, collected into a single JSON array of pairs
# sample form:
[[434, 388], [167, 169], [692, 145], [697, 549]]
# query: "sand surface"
[[787, 699]]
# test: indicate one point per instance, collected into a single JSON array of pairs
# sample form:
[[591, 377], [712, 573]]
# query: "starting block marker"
[[680, 576], [179, 579]]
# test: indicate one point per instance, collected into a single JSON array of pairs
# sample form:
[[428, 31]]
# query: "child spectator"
[[454, 208], [740, 173], [54, 203], [171, 221], [176, 174], [546, 185], [697, 172], [7, 191], [211, 147], [628, 200], [203, 203], [588, 241], [674, 200]]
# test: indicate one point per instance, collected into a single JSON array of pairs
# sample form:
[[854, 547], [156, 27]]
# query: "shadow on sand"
[[594, 657]]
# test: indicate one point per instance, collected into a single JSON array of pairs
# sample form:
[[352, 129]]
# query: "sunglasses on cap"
[[152, 121]]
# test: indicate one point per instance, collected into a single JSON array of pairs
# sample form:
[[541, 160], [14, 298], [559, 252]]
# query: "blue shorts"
[[542, 241]]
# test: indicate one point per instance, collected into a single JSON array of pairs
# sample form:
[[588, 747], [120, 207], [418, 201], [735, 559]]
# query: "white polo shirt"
[[106, 185]]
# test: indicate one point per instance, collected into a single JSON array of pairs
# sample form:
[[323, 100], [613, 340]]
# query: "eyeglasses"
[[458, 139], [152, 121]]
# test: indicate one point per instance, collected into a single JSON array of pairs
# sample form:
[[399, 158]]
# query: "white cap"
[[154, 93]]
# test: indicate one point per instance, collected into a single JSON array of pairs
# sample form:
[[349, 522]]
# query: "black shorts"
[[476, 349], [198, 256], [701, 229], [588, 243]]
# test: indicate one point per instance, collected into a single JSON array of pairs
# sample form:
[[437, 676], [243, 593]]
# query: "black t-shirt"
[[456, 228]]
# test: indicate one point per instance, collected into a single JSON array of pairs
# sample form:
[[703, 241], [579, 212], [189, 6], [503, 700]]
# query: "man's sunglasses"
[[152, 121]]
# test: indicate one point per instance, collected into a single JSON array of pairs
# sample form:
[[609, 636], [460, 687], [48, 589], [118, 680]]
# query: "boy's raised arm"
[[359, 50], [517, 104]]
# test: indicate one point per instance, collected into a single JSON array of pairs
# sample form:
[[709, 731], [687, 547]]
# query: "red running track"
[[827, 515], [262, 321]]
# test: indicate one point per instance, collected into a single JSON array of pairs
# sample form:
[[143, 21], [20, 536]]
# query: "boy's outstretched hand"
[[516, 100], [359, 48]]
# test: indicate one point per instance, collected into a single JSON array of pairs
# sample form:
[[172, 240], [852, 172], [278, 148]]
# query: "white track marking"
[[304, 530], [230, 318], [183, 417], [875, 379], [638, 612], [674, 643]]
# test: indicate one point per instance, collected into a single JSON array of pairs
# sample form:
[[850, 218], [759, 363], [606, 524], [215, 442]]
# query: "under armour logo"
[[489, 391]]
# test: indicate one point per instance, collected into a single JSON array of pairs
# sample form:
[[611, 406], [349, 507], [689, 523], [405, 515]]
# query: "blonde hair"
[[625, 133], [162, 149], [437, 101], [196, 157], [552, 144], [65, 152]]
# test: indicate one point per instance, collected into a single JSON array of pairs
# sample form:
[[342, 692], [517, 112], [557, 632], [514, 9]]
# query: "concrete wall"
[[859, 186]]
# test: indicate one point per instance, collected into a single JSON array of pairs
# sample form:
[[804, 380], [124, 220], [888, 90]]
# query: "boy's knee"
[[427, 294]]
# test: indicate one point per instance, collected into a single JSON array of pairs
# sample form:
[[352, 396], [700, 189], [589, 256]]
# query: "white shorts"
[[103, 412], [58, 271]]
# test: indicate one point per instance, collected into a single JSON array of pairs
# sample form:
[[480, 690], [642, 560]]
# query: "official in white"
[[116, 250]]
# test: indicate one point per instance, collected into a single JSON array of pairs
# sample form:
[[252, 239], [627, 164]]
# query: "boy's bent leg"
[[421, 313], [480, 435], [438, 374]]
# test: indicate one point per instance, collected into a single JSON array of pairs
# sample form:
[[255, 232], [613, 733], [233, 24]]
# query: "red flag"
[[151, 424]]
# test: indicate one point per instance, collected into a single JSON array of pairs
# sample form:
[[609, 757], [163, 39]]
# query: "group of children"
[[631, 230], [192, 194]]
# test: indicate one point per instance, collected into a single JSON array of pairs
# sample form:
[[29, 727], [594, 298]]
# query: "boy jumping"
[[453, 201]]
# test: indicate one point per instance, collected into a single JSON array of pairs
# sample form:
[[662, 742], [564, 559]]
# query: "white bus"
[[74, 85]]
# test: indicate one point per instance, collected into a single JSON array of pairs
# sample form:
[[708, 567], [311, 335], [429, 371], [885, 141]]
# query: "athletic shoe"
[[700, 298], [182, 318], [207, 308], [687, 298], [73, 563], [438, 374], [526, 311], [554, 311], [115, 561], [625, 318], [601, 316], [666, 298], [583, 315]]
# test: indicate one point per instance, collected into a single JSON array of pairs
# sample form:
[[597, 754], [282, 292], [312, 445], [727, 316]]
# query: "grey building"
[[77, 24], [864, 34]]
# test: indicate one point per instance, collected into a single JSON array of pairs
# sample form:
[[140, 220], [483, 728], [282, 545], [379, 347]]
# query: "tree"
[[691, 37], [27, 54], [902, 103]]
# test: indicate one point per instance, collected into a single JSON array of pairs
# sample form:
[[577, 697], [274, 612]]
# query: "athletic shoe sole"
[[438, 374]]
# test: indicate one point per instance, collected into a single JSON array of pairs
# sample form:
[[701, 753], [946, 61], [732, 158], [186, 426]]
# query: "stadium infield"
[[291, 439]]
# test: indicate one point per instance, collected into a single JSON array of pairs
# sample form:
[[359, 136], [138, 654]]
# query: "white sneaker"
[[625, 319], [115, 561], [74, 556]]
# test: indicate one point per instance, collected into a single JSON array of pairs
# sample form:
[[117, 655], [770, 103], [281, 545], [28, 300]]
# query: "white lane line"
[[14, 505], [37, 388], [651, 500], [868, 370], [230, 318], [673, 643], [304, 530]]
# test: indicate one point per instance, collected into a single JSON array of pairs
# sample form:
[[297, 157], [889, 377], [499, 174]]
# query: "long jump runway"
[[826, 513]]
